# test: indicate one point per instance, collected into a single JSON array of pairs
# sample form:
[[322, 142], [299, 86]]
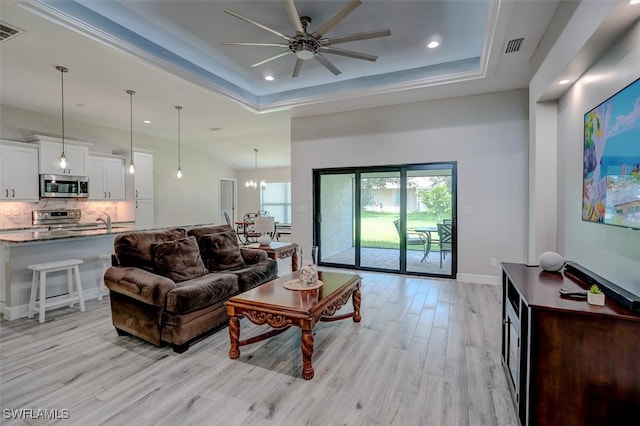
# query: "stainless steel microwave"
[[63, 186]]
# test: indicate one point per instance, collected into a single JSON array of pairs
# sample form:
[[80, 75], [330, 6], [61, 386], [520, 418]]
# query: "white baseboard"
[[479, 279], [22, 311]]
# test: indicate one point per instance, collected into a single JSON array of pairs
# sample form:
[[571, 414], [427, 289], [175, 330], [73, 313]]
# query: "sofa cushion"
[[200, 292], [207, 230], [221, 251], [134, 248], [250, 276], [178, 260]]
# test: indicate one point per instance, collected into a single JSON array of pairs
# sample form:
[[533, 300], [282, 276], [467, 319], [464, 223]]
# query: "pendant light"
[[63, 158], [179, 174], [253, 184], [132, 169]]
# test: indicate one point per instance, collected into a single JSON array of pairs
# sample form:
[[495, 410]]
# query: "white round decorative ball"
[[551, 261]]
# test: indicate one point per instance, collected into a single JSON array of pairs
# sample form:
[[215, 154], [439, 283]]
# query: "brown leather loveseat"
[[170, 286]]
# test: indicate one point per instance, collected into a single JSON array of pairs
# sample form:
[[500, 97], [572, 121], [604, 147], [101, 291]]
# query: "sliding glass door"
[[396, 218], [378, 219], [429, 219], [335, 212]]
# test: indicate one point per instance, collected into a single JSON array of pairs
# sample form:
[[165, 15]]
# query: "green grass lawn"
[[378, 230]]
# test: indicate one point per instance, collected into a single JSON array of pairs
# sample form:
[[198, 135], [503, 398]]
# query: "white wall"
[[190, 200], [486, 134], [611, 252]]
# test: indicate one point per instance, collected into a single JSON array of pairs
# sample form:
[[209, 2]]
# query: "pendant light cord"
[[131, 92], [178, 108], [62, 71], [62, 85]]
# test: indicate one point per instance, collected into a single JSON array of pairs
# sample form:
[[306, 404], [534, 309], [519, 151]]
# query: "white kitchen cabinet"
[[106, 178], [143, 163], [144, 212], [139, 186], [143, 184], [77, 155], [19, 172]]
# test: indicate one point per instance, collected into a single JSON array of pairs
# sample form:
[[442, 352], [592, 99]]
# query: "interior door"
[[227, 200]]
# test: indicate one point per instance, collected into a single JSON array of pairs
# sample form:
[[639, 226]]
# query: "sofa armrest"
[[139, 284], [252, 256]]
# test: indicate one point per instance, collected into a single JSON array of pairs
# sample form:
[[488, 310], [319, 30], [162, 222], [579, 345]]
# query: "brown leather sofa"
[[170, 286]]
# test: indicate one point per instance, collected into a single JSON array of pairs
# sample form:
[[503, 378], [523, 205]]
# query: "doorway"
[[227, 201], [390, 219]]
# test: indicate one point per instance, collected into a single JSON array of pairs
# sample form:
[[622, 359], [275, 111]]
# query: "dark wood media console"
[[568, 362]]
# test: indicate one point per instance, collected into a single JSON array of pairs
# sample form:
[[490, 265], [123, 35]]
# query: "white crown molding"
[[496, 7]]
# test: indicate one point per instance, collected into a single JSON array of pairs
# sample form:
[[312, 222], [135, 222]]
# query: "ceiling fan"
[[312, 45]]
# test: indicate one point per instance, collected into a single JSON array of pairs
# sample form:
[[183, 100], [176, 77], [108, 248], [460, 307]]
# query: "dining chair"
[[444, 235], [248, 228]]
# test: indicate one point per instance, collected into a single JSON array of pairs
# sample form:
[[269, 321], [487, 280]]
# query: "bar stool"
[[106, 262], [39, 285]]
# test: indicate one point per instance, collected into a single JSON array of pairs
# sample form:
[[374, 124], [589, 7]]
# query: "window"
[[276, 199]]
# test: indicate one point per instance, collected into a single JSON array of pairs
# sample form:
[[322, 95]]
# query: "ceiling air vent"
[[514, 45], [7, 32]]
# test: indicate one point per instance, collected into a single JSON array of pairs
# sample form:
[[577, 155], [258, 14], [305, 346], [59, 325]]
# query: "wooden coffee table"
[[274, 305]]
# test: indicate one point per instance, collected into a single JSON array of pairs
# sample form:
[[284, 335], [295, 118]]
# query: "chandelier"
[[253, 184]]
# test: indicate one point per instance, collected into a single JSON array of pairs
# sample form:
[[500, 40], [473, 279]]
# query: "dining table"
[[426, 231]]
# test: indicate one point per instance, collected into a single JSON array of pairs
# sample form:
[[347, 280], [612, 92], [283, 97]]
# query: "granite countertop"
[[30, 236]]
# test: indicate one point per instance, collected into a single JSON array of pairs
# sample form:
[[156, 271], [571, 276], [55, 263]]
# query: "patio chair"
[[444, 235], [415, 238]]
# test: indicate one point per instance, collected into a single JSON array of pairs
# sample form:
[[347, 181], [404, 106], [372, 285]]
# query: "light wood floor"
[[427, 352]]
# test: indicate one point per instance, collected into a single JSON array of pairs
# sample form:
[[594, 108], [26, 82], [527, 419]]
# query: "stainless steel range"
[[63, 219]]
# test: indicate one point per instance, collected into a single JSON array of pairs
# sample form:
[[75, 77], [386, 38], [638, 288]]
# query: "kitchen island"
[[23, 248]]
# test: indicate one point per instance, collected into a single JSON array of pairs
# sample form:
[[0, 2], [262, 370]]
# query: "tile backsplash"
[[19, 214]]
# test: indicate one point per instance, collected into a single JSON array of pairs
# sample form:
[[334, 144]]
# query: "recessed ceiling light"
[[433, 44], [147, 121], [268, 77], [563, 82], [214, 129]]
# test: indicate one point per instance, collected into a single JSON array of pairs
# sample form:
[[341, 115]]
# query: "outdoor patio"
[[390, 259]]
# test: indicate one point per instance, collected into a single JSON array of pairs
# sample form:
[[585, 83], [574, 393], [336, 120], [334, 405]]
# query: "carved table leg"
[[294, 260], [234, 335], [355, 297], [307, 353]]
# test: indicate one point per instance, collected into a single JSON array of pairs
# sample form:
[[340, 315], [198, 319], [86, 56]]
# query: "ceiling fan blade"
[[256, 44], [327, 64], [355, 37], [349, 53], [279, 55], [335, 19], [297, 67], [257, 24], [293, 15]]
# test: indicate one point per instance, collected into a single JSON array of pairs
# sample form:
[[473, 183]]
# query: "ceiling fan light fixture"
[[304, 53]]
